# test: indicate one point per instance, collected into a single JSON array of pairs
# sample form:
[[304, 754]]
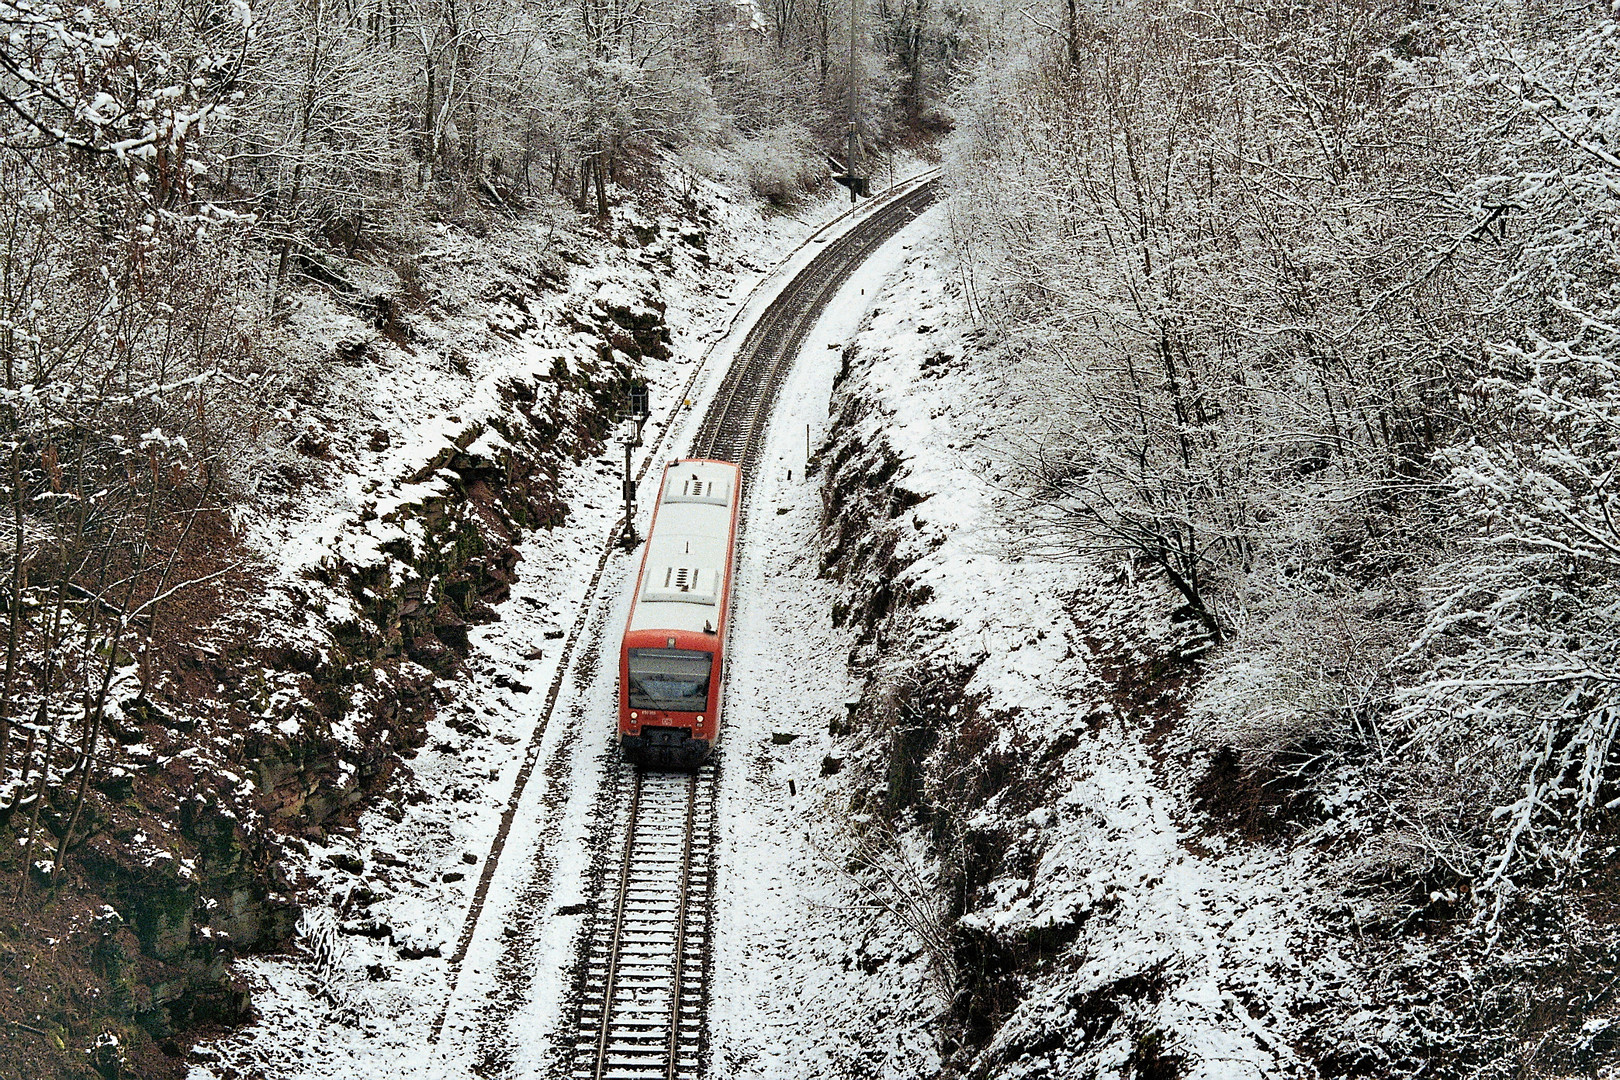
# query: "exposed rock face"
[[636, 327]]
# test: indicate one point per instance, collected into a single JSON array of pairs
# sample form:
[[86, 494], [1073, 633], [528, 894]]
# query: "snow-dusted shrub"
[[1522, 642], [1310, 672], [782, 164], [319, 937], [1524, 628], [897, 871], [1294, 713]]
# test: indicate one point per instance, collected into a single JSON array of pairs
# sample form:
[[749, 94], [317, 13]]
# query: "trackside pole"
[[849, 161], [630, 438], [630, 538]]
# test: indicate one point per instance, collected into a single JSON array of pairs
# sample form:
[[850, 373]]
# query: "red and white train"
[[673, 656]]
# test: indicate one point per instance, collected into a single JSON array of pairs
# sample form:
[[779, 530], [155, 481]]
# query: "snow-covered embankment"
[[1017, 784]]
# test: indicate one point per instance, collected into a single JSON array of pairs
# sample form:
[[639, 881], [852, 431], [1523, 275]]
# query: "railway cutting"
[[642, 980]]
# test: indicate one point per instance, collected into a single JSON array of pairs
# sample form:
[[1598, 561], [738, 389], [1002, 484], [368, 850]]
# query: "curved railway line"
[[643, 974], [736, 419], [731, 427]]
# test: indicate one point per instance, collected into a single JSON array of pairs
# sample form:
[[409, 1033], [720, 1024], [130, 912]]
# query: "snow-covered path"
[[785, 1001]]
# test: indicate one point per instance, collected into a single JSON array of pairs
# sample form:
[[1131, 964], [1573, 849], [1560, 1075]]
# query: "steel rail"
[[730, 427], [618, 929], [680, 933], [628, 1028]]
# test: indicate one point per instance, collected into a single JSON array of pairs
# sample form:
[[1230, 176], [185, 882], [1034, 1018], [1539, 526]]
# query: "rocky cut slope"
[[1019, 723], [440, 413]]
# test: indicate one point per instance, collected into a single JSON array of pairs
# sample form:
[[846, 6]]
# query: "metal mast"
[[849, 161]]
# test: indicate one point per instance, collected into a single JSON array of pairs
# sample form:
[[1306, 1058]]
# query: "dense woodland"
[[1326, 292], [1328, 295]]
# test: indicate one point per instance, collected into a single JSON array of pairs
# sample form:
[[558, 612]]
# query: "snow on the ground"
[[1217, 934], [368, 1000], [808, 980], [811, 978]]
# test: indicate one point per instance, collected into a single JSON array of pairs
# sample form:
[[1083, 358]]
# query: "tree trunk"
[[427, 149]]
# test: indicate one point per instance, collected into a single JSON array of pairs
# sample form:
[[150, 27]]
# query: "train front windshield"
[[675, 680]]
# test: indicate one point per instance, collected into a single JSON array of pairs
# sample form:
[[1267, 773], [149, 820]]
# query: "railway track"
[[736, 420], [643, 975], [641, 1005]]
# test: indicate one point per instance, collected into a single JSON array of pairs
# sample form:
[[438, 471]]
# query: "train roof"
[[683, 572]]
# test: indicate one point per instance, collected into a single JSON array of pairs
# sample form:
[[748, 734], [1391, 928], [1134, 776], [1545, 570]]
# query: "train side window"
[[675, 680]]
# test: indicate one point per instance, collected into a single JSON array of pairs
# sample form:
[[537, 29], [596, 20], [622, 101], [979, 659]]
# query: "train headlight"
[[700, 719], [632, 716]]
